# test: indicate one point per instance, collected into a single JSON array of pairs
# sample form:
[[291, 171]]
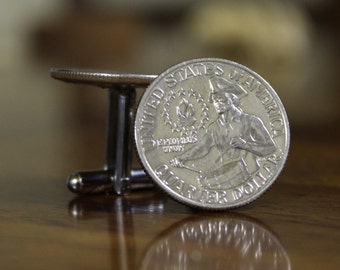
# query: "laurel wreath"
[[186, 123]]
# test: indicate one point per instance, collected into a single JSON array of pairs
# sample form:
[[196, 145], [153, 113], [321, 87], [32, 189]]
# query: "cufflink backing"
[[118, 176]]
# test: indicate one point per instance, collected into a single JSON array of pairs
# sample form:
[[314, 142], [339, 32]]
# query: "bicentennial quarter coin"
[[212, 133]]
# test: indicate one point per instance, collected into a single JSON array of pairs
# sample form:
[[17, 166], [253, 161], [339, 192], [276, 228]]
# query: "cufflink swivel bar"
[[118, 177]]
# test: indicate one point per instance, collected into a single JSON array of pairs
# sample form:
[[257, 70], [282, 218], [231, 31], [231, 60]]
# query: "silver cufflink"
[[211, 133]]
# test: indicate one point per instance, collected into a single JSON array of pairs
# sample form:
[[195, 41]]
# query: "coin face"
[[212, 133]]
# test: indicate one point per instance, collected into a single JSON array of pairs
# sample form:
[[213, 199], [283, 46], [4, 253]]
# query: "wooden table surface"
[[294, 225]]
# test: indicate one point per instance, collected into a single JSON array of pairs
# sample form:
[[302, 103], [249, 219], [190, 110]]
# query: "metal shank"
[[119, 138]]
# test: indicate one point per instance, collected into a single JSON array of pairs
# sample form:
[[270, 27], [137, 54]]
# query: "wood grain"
[[295, 225]]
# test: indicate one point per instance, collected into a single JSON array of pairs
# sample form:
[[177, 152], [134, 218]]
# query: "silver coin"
[[212, 133], [100, 78]]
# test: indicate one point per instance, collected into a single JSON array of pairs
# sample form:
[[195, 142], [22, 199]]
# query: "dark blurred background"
[[50, 128]]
